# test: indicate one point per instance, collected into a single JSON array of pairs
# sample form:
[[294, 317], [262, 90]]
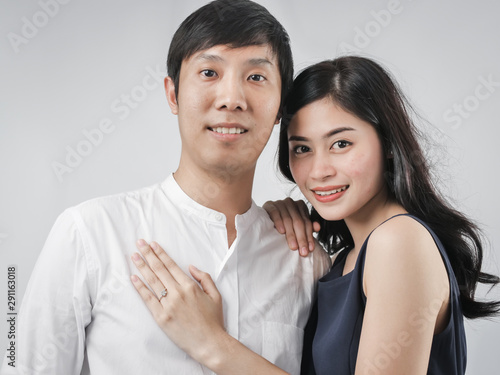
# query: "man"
[[229, 67]]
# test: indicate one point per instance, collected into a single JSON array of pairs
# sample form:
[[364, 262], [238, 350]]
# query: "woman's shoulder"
[[402, 234], [402, 250]]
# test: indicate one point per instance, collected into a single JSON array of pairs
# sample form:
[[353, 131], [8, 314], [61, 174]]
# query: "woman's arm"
[[292, 219], [192, 316], [407, 290]]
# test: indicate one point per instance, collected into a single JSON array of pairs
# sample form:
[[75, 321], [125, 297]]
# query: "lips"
[[223, 130], [227, 128], [329, 193]]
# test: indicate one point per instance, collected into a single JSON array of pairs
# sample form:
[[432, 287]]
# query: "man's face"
[[227, 104]]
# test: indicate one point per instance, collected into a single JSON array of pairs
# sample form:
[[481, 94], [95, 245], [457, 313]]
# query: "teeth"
[[330, 192], [228, 130]]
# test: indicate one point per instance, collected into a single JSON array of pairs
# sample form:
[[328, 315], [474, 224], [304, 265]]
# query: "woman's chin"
[[329, 214]]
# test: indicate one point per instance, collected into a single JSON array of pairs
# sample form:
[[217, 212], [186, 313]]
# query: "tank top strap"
[[360, 263]]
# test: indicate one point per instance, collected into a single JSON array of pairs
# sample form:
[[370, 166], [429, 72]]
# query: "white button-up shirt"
[[81, 314]]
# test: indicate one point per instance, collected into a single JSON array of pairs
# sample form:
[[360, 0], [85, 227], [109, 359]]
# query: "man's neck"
[[228, 194]]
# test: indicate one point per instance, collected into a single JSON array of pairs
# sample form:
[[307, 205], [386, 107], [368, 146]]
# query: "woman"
[[407, 264]]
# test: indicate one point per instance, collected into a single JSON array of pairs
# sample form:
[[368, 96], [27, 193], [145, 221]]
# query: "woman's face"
[[336, 160]]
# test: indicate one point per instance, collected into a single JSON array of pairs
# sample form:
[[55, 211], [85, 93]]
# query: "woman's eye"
[[208, 73], [256, 77], [301, 149], [341, 144]]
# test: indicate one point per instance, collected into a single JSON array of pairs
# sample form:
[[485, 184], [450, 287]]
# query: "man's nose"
[[231, 94]]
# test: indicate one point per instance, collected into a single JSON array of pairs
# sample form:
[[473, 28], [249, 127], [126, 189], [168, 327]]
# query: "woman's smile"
[[336, 160]]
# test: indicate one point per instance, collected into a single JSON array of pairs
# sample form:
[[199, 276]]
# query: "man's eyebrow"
[[258, 61], [209, 57], [327, 135]]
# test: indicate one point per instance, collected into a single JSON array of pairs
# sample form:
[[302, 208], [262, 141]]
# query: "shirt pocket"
[[282, 345]]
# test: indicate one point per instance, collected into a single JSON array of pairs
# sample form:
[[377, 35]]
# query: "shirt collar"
[[172, 189]]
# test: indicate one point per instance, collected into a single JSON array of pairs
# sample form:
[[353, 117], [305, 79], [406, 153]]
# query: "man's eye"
[[301, 149], [208, 73], [341, 144], [256, 77]]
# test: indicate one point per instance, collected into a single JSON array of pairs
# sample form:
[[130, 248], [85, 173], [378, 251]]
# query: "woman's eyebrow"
[[327, 135]]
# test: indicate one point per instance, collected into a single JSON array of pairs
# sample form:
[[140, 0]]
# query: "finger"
[[275, 216], [147, 296], [304, 210], [177, 273], [306, 241], [309, 234], [154, 269], [316, 226], [299, 220], [288, 224], [151, 278], [206, 282]]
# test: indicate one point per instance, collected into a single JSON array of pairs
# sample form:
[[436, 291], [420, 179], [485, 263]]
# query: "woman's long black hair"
[[363, 88]]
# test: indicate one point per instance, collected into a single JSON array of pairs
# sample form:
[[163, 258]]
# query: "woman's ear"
[[390, 154], [171, 96]]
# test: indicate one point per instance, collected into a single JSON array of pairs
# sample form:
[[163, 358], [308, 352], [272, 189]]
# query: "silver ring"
[[163, 294]]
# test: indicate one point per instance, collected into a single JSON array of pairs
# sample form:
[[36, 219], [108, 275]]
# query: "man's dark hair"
[[236, 23]]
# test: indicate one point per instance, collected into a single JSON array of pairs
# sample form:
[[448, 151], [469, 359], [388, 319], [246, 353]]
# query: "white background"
[[78, 61]]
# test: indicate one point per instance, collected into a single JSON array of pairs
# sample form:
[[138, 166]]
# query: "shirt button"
[[218, 217]]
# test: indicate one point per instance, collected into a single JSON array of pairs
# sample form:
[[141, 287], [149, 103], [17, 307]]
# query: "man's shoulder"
[[117, 204], [262, 216], [264, 227]]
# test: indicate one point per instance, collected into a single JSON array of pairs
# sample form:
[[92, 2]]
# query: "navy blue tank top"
[[332, 334]]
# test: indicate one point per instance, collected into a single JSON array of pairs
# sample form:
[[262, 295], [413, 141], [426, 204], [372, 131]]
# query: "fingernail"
[[135, 257], [134, 278], [154, 245], [141, 242], [303, 250], [294, 245], [311, 246]]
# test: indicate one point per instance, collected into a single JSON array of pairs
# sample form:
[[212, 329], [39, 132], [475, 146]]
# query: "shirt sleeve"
[[56, 307]]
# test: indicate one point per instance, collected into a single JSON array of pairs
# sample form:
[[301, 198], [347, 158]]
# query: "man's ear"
[[171, 97], [278, 118]]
